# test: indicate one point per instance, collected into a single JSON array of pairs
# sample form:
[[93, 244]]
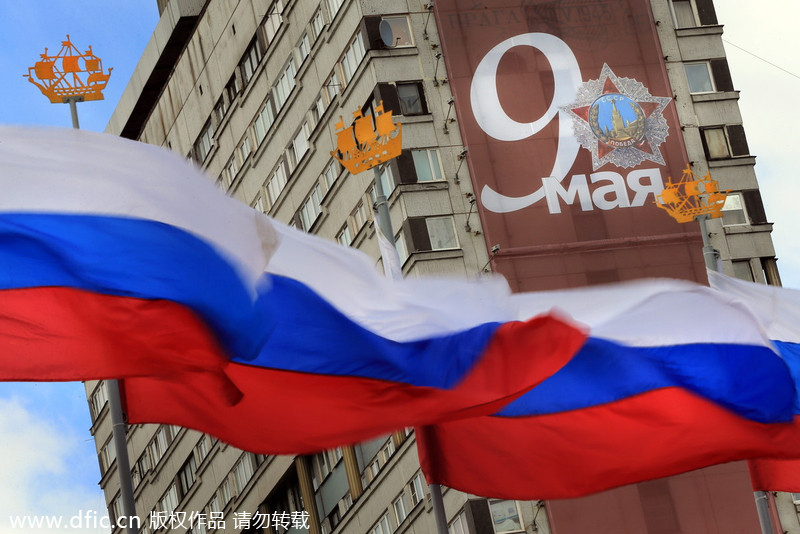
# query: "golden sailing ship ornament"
[[362, 146], [69, 74], [692, 196]]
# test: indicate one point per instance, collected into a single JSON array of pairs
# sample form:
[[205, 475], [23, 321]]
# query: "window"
[[202, 448], [352, 57], [250, 60], [417, 489], [387, 180], [505, 516], [402, 249], [395, 31], [169, 501], [243, 472], [686, 13], [221, 108], [159, 444], [232, 89], [260, 204], [412, 99], [683, 13], [140, 469], [382, 527], [331, 173], [108, 453], [187, 475], [299, 145], [742, 270], [722, 142], [312, 207], [277, 181], [699, 77], [244, 148], [709, 76], [226, 491], [381, 458], [98, 400], [733, 211], [400, 506], [264, 121], [459, 524], [333, 7], [323, 464], [317, 25], [360, 216], [427, 165], [430, 233], [116, 509], [271, 23], [388, 31], [285, 84], [230, 172], [304, 47], [442, 232], [344, 237], [202, 147]]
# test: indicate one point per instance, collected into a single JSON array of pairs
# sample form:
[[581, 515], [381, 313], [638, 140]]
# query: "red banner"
[[571, 129]]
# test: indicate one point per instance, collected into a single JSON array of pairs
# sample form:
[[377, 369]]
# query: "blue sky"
[[47, 458], [48, 463]]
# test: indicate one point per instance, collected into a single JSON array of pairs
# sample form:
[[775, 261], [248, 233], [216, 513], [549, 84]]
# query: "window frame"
[[710, 73], [490, 502], [741, 208]]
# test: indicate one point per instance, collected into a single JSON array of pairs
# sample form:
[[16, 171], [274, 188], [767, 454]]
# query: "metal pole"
[[382, 206], [73, 109], [438, 508], [709, 253], [118, 426], [119, 429], [710, 257], [386, 227]]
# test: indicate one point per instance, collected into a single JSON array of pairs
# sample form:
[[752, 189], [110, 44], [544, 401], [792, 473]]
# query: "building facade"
[[250, 90]]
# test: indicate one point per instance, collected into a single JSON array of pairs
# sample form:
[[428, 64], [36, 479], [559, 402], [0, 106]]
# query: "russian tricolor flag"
[[673, 377], [118, 260]]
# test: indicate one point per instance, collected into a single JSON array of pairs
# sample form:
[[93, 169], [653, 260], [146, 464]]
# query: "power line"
[[762, 59]]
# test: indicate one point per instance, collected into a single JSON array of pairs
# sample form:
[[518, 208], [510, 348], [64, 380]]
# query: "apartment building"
[[252, 90]]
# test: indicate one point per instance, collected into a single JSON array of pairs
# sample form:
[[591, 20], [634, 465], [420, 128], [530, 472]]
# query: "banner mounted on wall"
[[567, 113]]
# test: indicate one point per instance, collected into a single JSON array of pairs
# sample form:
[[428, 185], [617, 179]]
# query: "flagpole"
[[118, 425], [711, 257], [68, 93], [699, 199], [385, 225]]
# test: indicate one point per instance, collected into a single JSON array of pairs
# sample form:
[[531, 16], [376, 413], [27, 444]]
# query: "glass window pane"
[[733, 210], [505, 516], [684, 16], [716, 142], [699, 78], [742, 270], [395, 32], [410, 101], [442, 233]]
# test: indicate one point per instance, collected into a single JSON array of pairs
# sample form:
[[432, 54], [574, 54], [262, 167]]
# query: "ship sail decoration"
[[692, 196], [69, 74], [366, 144]]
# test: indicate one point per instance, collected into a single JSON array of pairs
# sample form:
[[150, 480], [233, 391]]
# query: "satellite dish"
[[387, 34]]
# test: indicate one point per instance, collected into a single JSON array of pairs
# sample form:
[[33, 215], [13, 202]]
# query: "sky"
[[48, 464]]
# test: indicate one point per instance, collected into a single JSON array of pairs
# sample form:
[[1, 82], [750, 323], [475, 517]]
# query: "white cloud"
[[37, 472]]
